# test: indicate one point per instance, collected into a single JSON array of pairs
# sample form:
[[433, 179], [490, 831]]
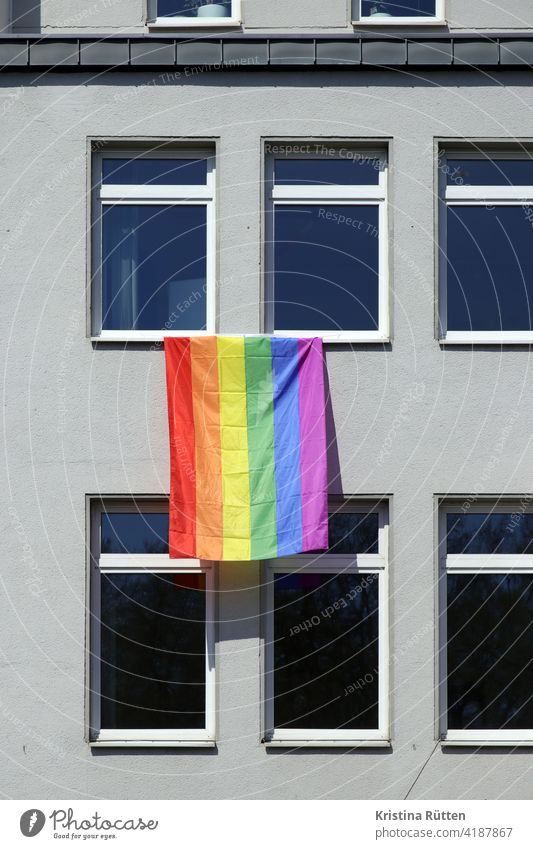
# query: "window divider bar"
[[489, 193], [295, 193], [487, 337], [139, 192], [332, 563], [150, 562], [488, 563]]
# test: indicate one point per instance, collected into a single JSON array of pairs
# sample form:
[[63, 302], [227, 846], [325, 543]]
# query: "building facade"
[[361, 174]]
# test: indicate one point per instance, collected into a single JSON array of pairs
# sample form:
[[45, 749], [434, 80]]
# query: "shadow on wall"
[[334, 466], [25, 15]]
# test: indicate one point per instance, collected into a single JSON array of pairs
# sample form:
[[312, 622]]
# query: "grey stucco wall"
[[100, 15], [81, 420], [485, 14], [129, 15], [301, 13]]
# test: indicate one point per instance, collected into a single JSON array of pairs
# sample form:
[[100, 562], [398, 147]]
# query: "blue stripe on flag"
[[287, 445]]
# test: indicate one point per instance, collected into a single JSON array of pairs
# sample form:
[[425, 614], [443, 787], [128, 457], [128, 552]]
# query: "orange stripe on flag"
[[206, 413]]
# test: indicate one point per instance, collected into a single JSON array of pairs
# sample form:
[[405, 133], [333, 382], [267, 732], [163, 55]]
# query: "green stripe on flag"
[[260, 416]]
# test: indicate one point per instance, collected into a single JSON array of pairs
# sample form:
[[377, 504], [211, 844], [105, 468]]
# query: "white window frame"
[[196, 23], [169, 195], [472, 564], [474, 196], [305, 195], [439, 17], [361, 564], [142, 564]]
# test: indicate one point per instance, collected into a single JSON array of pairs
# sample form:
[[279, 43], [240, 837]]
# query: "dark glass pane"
[[155, 172], [134, 533], [490, 631], [353, 533], [357, 170], [490, 268], [154, 267], [404, 9], [489, 172], [326, 651], [326, 267], [153, 651], [489, 533], [189, 8]]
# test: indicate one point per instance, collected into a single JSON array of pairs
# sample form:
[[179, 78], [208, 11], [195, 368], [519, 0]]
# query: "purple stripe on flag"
[[313, 460]]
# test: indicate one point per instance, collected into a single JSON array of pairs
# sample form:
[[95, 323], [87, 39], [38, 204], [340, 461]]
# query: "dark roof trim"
[[464, 50]]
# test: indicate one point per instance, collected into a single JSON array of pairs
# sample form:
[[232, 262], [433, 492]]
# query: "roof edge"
[[229, 51]]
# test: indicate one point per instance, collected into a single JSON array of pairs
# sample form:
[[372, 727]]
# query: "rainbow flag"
[[248, 472]]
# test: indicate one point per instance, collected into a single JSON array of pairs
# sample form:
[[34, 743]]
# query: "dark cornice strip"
[[69, 53]]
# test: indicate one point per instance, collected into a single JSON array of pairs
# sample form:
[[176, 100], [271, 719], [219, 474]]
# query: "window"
[[326, 644], [486, 623], [486, 255], [327, 242], [385, 12], [153, 244], [194, 13], [152, 633], [5, 17]]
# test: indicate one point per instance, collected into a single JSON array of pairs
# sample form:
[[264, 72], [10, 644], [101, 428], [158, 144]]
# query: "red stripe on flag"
[[182, 507]]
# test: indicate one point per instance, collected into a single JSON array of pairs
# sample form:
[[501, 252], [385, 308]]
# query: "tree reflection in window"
[[490, 664], [326, 643], [353, 533], [153, 650], [134, 533], [489, 533]]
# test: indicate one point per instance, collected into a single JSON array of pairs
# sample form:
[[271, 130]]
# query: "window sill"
[[328, 744], [193, 23], [152, 744], [484, 743]]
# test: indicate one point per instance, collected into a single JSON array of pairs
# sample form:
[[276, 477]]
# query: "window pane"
[[489, 172], [489, 268], [134, 533], [325, 645], [490, 533], [490, 673], [403, 9], [154, 267], [192, 8], [353, 533], [153, 651], [353, 170], [156, 172], [326, 267]]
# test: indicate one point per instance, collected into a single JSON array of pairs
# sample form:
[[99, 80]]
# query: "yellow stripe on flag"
[[234, 448]]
